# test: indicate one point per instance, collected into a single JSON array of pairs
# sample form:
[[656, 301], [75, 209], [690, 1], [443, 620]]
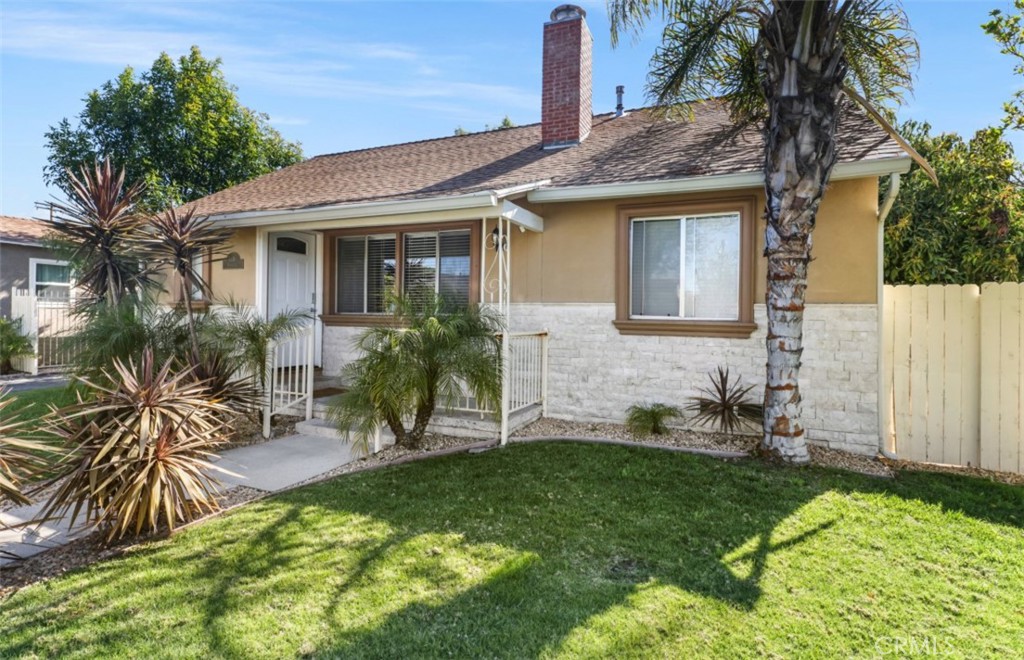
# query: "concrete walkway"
[[268, 466]]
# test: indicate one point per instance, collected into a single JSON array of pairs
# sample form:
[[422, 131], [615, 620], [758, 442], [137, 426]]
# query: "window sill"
[[356, 320], [728, 329]]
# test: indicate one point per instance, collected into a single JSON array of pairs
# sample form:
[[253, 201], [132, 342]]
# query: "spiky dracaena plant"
[[790, 65], [178, 240], [21, 459], [419, 360], [103, 237], [142, 450], [725, 405]]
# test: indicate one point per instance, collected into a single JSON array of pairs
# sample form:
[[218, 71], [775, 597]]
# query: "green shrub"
[[724, 404], [13, 344], [650, 419], [142, 450], [419, 360]]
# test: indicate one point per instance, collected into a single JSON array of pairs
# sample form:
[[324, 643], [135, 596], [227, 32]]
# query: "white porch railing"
[[527, 367], [289, 377], [49, 321]]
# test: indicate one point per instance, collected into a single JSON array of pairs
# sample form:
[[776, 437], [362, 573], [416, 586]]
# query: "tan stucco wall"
[[239, 284], [573, 260]]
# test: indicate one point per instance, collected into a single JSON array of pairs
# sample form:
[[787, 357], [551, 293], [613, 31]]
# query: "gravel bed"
[[674, 438], [699, 440], [1001, 477], [249, 431], [89, 549]]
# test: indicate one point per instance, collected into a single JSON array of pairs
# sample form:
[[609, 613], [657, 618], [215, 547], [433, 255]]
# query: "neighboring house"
[[637, 244], [27, 265]]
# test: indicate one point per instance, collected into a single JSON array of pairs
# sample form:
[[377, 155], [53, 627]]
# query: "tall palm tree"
[[790, 65]]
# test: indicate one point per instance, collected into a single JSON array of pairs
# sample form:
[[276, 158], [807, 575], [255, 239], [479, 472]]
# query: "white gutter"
[[883, 213], [483, 198], [867, 168]]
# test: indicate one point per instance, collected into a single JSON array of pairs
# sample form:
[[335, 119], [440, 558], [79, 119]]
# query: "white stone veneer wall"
[[339, 348], [595, 374]]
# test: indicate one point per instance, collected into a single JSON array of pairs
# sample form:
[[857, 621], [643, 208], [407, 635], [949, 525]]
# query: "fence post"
[[544, 374], [268, 387], [310, 353]]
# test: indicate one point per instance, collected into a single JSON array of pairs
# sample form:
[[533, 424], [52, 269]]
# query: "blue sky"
[[346, 75]]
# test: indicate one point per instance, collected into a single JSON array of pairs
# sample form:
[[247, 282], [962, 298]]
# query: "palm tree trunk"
[[398, 430], [803, 84]]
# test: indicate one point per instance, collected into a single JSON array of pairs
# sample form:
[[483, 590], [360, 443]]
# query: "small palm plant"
[[245, 336], [650, 419], [13, 344], [142, 450], [421, 359], [725, 405]]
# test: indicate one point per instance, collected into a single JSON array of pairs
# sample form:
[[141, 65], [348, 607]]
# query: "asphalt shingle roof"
[[633, 148], [21, 230]]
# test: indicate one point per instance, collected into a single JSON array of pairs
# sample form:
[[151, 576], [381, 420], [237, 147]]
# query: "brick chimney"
[[566, 106]]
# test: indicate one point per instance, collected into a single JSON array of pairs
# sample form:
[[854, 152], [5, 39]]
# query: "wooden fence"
[[954, 374]]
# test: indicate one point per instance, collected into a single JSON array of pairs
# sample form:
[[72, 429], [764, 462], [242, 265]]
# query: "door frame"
[[263, 257]]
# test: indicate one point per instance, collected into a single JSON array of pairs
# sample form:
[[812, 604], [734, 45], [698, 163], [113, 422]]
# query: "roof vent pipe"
[[619, 108]]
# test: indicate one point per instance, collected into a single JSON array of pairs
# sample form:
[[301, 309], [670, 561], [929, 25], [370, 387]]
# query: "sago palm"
[[793, 66], [421, 359]]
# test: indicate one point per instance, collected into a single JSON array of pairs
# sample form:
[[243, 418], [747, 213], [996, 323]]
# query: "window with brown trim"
[[364, 264], [686, 269]]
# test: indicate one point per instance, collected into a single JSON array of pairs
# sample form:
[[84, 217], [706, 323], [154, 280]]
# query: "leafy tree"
[[179, 128], [419, 360], [505, 123], [1008, 30], [789, 65], [970, 228]]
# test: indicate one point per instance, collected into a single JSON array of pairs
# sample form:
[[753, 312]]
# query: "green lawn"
[[561, 550], [31, 405]]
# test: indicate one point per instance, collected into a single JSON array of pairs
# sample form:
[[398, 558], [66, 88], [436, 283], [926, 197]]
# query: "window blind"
[[454, 271], [655, 268]]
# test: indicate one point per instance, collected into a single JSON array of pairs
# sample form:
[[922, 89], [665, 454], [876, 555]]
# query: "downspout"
[[883, 213]]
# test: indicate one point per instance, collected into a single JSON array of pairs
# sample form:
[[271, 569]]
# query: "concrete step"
[[325, 429]]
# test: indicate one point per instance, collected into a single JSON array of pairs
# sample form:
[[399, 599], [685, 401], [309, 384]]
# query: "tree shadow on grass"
[[509, 553]]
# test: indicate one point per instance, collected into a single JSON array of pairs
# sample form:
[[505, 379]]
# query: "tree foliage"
[[178, 127], [1008, 31], [970, 228]]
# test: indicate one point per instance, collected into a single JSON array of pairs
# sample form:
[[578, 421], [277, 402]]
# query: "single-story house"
[[26, 264], [634, 241]]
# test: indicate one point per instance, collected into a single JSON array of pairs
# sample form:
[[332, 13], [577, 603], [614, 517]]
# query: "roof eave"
[[708, 183], [484, 199]]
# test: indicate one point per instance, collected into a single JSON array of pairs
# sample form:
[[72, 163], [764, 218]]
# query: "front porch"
[[342, 272]]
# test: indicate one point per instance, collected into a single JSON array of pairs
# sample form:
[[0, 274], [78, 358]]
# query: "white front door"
[[291, 282]]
